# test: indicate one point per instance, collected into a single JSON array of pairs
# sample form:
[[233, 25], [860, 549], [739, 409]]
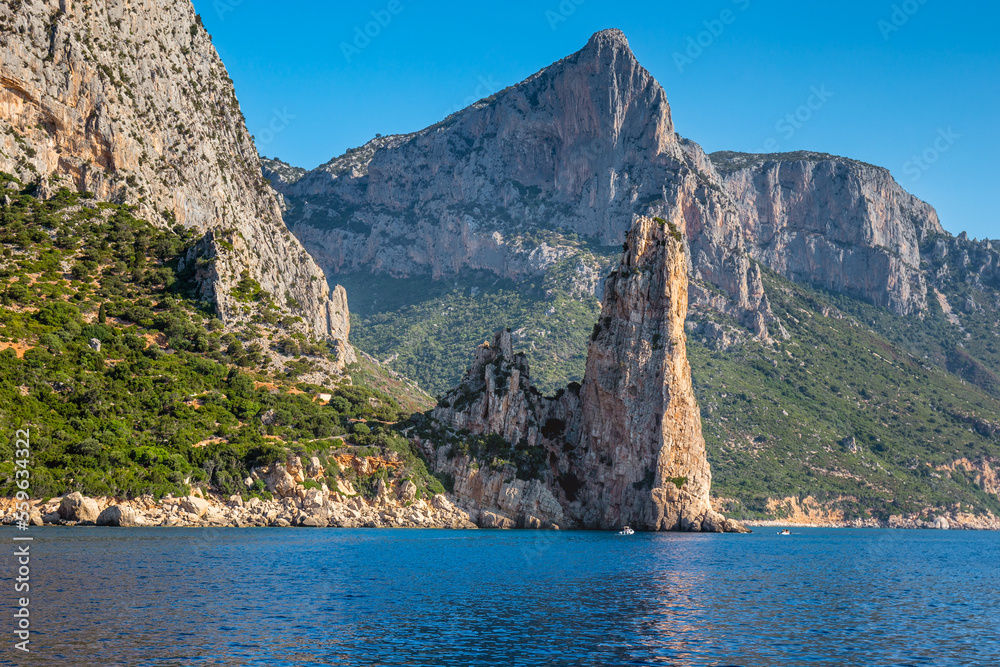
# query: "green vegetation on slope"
[[128, 385], [818, 415], [429, 328], [840, 413]]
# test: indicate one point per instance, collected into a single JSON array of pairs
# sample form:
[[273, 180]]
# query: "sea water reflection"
[[401, 597]]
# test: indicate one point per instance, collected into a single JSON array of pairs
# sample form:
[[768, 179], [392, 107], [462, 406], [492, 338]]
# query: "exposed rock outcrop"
[[644, 460], [626, 446], [77, 507], [131, 102], [837, 223], [219, 511], [121, 516], [963, 262], [580, 147]]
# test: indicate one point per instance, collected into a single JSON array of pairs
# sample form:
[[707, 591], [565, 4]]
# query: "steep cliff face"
[[838, 223], [645, 461], [577, 149], [560, 138], [626, 446], [131, 102]]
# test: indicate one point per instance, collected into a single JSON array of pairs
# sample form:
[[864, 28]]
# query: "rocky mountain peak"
[[576, 151], [619, 88], [609, 46], [609, 36]]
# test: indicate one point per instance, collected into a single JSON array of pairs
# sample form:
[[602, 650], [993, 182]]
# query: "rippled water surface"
[[401, 597]]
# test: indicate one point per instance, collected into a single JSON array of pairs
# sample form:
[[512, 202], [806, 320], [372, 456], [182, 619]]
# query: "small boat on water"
[[626, 531], [784, 532]]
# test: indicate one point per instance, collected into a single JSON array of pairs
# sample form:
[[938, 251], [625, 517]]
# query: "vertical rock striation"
[[580, 147], [625, 447], [130, 101], [644, 460], [837, 223], [583, 146]]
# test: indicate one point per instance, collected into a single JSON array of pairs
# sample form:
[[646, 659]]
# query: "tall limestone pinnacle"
[[640, 424], [130, 101], [626, 447]]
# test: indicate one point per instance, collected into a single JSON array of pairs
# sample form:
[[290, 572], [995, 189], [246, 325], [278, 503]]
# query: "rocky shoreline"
[[952, 521], [295, 494], [292, 493], [385, 511], [210, 510]]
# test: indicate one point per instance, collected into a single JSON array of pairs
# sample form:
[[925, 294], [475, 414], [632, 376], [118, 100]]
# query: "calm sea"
[[406, 597]]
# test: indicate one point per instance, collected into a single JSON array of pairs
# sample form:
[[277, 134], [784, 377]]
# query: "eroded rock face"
[[583, 146], [130, 101], [645, 462], [77, 507], [625, 447], [194, 505], [122, 516], [841, 224], [495, 395]]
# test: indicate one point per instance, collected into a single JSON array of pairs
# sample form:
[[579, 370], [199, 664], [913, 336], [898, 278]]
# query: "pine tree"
[[102, 315]]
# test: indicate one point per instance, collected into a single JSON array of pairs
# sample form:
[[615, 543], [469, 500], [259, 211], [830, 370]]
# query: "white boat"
[[784, 532], [626, 531]]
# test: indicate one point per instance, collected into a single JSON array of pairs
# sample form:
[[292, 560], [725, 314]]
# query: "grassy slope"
[[433, 326], [906, 413], [777, 420], [170, 398]]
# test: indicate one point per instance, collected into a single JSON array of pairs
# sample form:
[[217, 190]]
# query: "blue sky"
[[910, 85]]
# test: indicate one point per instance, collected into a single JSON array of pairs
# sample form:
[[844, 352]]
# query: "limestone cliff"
[[579, 148], [837, 223], [625, 447], [130, 101], [645, 461]]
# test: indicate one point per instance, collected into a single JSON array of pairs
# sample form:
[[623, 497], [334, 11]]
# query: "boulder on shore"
[[77, 507], [494, 520], [194, 505], [118, 515]]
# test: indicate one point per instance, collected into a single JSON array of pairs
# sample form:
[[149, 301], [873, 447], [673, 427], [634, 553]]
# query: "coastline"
[[214, 511], [952, 521], [385, 511]]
